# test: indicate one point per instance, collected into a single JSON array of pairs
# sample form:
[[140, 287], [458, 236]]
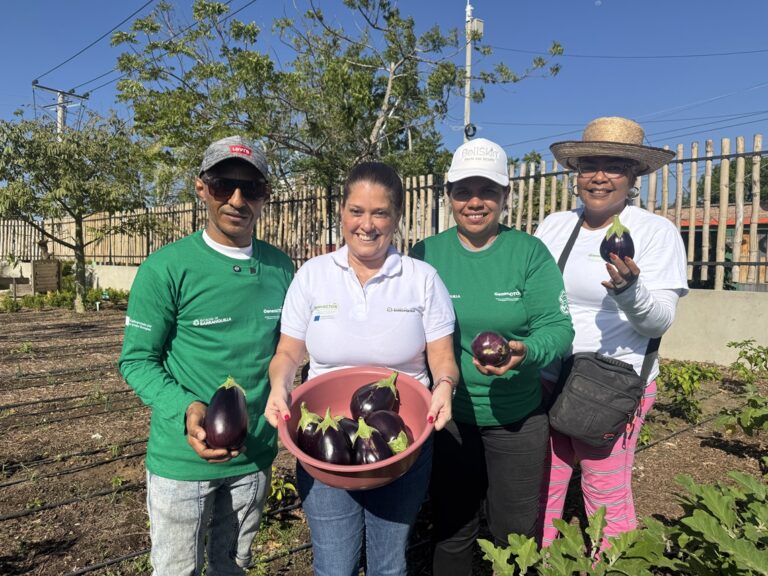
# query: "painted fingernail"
[[431, 419], [286, 417]]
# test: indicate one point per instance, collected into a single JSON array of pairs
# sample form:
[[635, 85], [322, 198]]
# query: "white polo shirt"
[[385, 323]]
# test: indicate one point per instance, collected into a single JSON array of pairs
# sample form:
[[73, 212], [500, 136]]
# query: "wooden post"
[[542, 191], [407, 213], [738, 233], [429, 230], [665, 188], [692, 208], [531, 187], [679, 188], [753, 275], [553, 189], [722, 217], [520, 197], [705, 251], [653, 178]]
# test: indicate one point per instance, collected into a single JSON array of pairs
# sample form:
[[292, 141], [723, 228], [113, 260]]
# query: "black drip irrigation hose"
[[60, 399], [59, 331], [72, 470], [44, 507], [89, 378], [135, 406], [110, 367], [67, 456], [104, 401]]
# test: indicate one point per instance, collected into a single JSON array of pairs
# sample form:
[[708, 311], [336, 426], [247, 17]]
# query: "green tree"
[[345, 93], [69, 174]]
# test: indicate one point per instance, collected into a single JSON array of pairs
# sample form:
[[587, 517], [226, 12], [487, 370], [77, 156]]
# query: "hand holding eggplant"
[[623, 273], [195, 420], [517, 352]]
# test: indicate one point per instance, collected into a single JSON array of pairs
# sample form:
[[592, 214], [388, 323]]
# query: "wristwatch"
[[451, 383]]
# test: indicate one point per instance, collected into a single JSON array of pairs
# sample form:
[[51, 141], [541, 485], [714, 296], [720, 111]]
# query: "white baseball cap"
[[479, 157]]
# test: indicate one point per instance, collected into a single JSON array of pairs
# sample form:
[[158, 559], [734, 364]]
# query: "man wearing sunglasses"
[[201, 309]]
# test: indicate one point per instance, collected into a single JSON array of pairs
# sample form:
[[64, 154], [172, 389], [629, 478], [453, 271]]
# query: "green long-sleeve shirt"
[[194, 317], [513, 287]]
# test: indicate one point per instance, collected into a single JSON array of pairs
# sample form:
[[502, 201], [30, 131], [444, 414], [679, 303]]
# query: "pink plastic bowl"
[[334, 389]]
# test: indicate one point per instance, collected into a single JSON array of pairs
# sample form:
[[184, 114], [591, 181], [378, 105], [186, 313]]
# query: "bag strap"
[[651, 351], [569, 245]]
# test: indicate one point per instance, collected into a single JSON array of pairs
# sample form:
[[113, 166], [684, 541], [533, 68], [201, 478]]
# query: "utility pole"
[[473, 28], [63, 100]]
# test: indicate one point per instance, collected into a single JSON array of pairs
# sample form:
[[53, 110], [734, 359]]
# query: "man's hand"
[[195, 420]]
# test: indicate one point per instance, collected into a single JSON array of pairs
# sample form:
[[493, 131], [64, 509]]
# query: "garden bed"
[[73, 440]]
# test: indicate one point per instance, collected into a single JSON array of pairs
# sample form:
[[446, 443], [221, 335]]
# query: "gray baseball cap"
[[235, 147]]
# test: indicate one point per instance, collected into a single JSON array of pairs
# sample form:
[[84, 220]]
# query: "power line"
[[180, 32], [99, 39], [634, 57]]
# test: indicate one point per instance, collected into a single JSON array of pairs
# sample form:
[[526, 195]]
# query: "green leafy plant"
[[633, 552], [752, 362], [725, 530], [280, 487], [682, 380], [9, 304]]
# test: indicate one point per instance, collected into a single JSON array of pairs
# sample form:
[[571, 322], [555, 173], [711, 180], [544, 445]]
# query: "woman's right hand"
[[277, 406]]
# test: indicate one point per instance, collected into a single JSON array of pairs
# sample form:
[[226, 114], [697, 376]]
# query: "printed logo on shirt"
[[510, 296], [324, 311], [564, 303], [131, 323], [210, 321], [400, 309], [272, 313]]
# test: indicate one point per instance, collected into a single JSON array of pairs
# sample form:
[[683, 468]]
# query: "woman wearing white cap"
[[616, 309], [505, 281]]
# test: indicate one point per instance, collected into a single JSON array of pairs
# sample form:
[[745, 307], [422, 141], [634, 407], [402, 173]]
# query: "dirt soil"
[[74, 435]]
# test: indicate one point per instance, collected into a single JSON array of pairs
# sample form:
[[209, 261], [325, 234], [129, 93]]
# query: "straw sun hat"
[[612, 136]]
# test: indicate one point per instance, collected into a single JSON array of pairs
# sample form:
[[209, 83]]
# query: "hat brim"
[[649, 158], [456, 175]]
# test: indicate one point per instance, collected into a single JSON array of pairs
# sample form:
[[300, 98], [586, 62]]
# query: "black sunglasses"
[[223, 188]]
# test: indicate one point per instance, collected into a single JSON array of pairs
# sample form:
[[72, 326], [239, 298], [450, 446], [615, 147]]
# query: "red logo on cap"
[[238, 149]]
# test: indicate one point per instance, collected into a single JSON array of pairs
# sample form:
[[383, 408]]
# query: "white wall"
[[707, 320], [117, 277]]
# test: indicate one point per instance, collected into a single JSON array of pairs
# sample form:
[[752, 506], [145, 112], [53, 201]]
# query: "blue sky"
[[687, 70]]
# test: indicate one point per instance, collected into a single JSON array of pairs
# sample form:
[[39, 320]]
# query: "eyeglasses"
[[223, 188], [611, 171]]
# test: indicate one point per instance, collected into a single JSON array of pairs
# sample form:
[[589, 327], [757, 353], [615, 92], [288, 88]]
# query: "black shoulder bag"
[[597, 397]]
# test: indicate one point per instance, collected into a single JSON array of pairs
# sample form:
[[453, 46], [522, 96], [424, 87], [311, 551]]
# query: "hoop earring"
[[633, 193], [575, 190]]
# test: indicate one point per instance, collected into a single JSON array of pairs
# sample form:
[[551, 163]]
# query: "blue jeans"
[[219, 517], [339, 518], [499, 467]]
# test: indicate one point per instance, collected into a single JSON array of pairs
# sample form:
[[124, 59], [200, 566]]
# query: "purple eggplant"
[[349, 426], [369, 445], [392, 427], [306, 431], [226, 420], [490, 349], [332, 444], [380, 395], [617, 241]]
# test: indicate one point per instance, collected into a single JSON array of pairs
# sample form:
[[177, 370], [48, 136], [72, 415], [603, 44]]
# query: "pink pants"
[[606, 477]]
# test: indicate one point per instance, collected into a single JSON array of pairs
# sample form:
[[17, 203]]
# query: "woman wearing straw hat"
[[617, 307]]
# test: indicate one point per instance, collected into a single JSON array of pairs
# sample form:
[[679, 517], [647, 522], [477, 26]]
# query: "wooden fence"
[[725, 240]]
